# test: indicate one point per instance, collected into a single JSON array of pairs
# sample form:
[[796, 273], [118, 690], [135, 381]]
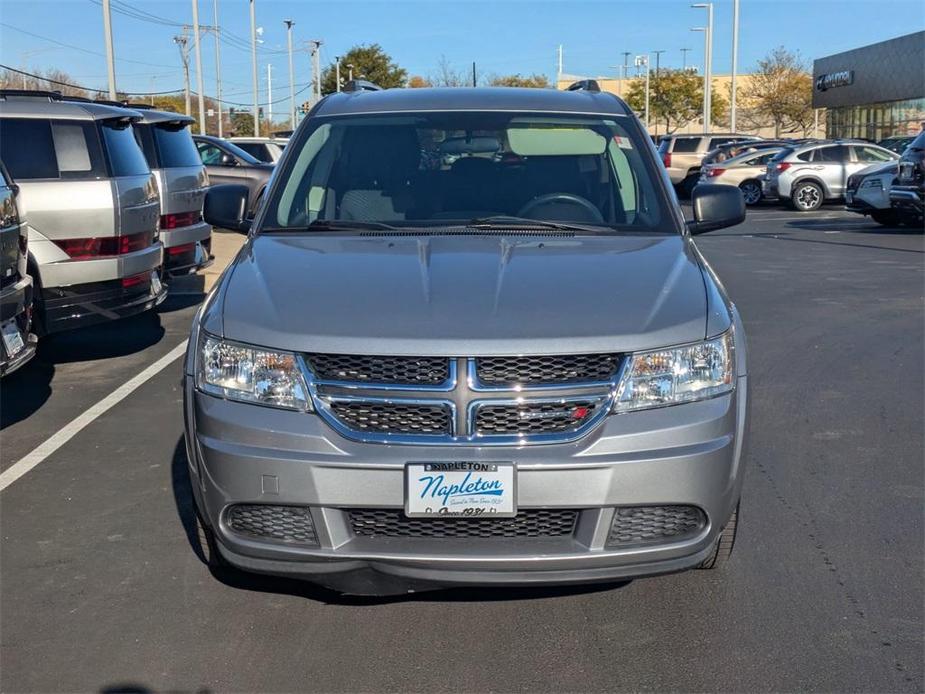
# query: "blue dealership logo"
[[435, 487]]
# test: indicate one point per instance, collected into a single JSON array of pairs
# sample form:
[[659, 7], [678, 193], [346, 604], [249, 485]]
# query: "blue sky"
[[502, 36]]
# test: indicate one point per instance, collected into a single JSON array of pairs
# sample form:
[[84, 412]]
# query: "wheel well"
[[750, 180], [810, 179]]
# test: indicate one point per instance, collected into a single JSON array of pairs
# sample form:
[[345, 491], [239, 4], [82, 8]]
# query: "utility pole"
[[350, 72], [474, 78], [110, 55], [315, 47], [254, 69], [218, 66], [638, 63], [559, 72], [182, 41], [684, 52], [708, 64], [337, 72], [269, 96], [197, 36], [735, 63], [626, 64], [292, 124]]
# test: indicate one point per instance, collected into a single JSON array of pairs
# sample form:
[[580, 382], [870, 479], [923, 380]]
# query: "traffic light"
[[260, 112], [231, 111]]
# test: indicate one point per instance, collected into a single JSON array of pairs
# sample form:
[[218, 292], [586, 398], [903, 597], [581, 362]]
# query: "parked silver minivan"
[[91, 206], [182, 183]]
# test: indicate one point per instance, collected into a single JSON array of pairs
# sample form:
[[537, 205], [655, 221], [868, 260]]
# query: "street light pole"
[[684, 52], [349, 72], [202, 103], [110, 55], [218, 66], [289, 23], [639, 62], [735, 62], [337, 72], [269, 95], [658, 56], [254, 69], [708, 65]]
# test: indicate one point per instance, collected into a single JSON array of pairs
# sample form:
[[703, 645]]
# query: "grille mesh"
[[552, 369], [394, 417], [424, 371], [535, 523], [533, 418], [291, 524], [643, 525]]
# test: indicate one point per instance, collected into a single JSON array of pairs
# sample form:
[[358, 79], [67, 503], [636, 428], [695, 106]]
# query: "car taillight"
[[715, 172], [781, 166], [134, 280], [666, 160], [179, 250], [181, 219], [82, 249]]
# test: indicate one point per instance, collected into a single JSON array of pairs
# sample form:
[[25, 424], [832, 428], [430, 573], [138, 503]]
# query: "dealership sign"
[[841, 78]]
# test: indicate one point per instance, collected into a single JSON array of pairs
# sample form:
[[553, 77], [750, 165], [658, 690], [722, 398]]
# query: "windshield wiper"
[[334, 225], [504, 221]]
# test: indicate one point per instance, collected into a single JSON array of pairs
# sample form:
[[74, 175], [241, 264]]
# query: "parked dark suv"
[[908, 193], [17, 343]]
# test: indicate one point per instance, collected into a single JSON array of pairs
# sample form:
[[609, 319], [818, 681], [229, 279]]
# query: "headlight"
[[250, 374], [872, 183], [680, 374]]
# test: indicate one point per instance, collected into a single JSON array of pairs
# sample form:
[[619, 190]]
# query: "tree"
[[417, 82], [373, 63], [518, 80], [779, 94], [675, 98], [449, 76], [48, 80]]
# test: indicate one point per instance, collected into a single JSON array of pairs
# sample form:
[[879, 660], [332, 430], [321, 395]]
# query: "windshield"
[[449, 168]]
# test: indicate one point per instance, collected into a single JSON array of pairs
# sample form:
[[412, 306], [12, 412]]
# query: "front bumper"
[[682, 455], [908, 198]]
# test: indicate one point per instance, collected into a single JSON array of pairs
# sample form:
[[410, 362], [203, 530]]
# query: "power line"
[[78, 86]]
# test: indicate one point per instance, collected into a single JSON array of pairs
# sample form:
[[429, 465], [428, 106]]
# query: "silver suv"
[[91, 206], [469, 340], [808, 175], [181, 178]]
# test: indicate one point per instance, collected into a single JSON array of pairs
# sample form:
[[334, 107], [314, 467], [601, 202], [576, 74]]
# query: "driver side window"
[[210, 154]]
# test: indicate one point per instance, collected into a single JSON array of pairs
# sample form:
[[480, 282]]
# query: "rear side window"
[[806, 156], [145, 138], [832, 155], [871, 154], [255, 149], [35, 149], [720, 141], [125, 156], [686, 144], [175, 147]]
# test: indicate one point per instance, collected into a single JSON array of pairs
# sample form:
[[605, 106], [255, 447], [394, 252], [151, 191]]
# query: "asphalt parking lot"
[[102, 590]]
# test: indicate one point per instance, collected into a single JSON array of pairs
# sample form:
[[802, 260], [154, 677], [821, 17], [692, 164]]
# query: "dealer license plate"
[[12, 338], [460, 489]]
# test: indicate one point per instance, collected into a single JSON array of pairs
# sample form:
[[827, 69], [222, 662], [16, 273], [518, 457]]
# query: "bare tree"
[[779, 94], [449, 76]]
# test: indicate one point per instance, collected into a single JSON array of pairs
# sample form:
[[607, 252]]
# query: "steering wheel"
[[589, 212]]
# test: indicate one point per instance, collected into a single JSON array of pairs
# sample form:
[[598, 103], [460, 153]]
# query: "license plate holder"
[[467, 489], [12, 338]]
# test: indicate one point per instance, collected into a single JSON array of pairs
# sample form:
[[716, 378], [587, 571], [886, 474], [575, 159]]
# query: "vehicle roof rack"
[[361, 86], [54, 96], [584, 86]]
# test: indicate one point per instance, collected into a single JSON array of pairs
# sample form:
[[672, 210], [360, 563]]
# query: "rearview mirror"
[[226, 207], [716, 206]]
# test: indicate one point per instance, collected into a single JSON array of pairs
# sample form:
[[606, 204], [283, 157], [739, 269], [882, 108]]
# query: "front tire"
[[887, 218], [807, 197], [751, 192], [722, 550]]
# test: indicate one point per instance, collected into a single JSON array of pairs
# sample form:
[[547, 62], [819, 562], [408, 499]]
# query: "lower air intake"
[[527, 523], [290, 524], [650, 525]]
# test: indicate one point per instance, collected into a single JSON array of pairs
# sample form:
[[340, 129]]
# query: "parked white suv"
[[807, 175]]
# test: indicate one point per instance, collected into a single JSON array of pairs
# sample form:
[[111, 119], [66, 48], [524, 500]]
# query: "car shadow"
[[27, 389], [234, 578]]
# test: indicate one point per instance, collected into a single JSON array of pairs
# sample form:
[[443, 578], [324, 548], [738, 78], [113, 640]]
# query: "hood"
[[880, 168], [464, 295]]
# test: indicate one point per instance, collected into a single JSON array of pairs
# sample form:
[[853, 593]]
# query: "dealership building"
[[873, 92]]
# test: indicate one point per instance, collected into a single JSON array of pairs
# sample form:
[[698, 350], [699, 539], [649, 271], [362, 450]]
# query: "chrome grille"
[[541, 370], [645, 525], [291, 524], [527, 418], [424, 371], [395, 417], [372, 399], [535, 523]]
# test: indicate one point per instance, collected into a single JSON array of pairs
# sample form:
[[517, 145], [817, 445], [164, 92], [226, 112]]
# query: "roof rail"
[[584, 86], [123, 104], [54, 96], [361, 86]]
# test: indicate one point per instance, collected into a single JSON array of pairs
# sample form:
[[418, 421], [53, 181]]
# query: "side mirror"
[[716, 206], [226, 207], [228, 160]]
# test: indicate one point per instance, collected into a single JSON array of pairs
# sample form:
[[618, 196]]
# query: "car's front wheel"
[[751, 192], [807, 196], [722, 550], [888, 218]]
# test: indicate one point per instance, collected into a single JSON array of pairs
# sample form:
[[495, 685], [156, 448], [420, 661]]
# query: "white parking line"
[[72, 428]]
